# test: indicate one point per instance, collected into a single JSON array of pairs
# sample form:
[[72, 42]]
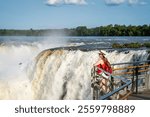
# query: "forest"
[[109, 30]]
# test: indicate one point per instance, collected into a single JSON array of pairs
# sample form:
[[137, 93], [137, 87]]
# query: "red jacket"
[[105, 67]]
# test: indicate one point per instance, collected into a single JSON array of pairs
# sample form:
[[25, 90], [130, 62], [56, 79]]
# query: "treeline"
[[109, 30]]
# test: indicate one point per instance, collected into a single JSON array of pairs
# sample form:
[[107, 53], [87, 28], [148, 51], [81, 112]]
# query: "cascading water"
[[64, 74]]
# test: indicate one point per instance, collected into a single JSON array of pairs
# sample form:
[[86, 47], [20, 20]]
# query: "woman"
[[104, 64]]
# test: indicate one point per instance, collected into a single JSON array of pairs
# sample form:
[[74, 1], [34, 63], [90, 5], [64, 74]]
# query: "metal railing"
[[118, 82], [135, 69], [114, 85]]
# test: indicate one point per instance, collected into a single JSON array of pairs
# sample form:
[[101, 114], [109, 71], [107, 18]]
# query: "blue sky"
[[43, 14]]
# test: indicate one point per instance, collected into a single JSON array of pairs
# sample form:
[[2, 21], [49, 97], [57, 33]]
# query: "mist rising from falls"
[[16, 54], [14, 83]]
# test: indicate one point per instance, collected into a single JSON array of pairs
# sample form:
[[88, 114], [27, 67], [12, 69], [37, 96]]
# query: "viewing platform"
[[129, 81]]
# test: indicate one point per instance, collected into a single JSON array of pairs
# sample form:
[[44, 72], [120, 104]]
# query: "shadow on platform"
[[140, 96]]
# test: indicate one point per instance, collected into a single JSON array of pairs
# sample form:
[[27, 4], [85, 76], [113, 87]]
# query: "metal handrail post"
[[133, 83], [136, 73]]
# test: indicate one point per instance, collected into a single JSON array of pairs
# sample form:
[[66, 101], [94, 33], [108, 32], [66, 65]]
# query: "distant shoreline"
[[109, 30]]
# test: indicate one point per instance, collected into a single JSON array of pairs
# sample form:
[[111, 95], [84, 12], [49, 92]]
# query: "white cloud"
[[131, 2], [83, 2], [114, 2], [60, 2], [143, 3], [138, 2], [53, 2]]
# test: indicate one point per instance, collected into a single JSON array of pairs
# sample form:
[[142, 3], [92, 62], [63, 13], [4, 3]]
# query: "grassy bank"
[[131, 45]]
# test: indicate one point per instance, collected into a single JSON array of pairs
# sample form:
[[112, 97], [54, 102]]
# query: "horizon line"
[[88, 27]]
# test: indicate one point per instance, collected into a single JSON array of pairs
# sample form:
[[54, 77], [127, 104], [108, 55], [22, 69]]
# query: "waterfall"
[[28, 72]]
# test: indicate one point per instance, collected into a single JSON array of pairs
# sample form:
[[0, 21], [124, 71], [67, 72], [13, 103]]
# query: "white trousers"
[[104, 75]]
